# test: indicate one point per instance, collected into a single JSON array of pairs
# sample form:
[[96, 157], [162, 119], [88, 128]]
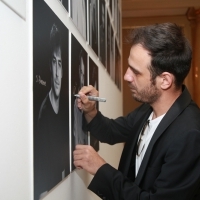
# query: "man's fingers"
[[81, 147], [83, 97], [78, 157], [85, 157], [82, 150], [88, 90], [77, 164]]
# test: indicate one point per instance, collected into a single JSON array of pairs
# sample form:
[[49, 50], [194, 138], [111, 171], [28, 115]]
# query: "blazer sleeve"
[[114, 131], [179, 178]]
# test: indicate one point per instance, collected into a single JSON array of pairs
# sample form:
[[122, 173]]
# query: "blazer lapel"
[[180, 104], [129, 151]]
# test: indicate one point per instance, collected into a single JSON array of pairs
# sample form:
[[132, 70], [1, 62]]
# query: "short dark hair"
[[170, 50], [55, 38]]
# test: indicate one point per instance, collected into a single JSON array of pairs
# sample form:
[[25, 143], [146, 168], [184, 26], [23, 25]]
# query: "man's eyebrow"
[[133, 69]]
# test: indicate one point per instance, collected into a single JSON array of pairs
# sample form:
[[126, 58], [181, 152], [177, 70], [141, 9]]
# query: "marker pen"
[[93, 98]]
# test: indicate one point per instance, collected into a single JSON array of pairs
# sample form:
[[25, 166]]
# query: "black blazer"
[[170, 169]]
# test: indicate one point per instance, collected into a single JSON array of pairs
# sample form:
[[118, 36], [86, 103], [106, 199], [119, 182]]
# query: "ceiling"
[[145, 8]]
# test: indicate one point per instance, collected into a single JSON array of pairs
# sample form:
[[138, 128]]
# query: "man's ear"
[[167, 80]]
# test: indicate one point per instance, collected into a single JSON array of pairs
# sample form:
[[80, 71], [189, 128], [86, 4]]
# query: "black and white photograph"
[[78, 80], [79, 16], [112, 60], [115, 15], [108, 44], [111, 5], [94, 81], [118, 26], [65, 4], [102, 32], [117, 66], [50, 99], [93, 25], [114, 2]]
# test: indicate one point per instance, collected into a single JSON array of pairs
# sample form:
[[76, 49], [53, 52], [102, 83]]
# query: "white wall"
[[16, 148], [16, 109]]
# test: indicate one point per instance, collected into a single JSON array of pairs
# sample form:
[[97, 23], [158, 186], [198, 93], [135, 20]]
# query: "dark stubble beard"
[[147, 95]]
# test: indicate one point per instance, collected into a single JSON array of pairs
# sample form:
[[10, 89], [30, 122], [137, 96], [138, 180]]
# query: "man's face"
[[138, 76], [81, 73], [56, 71]]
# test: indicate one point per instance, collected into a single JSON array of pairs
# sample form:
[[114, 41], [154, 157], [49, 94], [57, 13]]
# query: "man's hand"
[[87, 158], [83, 103]]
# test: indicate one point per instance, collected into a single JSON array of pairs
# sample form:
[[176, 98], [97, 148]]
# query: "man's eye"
[[134, 71]]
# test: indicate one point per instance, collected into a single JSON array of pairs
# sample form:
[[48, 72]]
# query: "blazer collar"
[[179, 105], [128, 153]]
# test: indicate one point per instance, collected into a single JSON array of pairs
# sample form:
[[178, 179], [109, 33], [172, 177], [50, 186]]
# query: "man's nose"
[[127, 76]]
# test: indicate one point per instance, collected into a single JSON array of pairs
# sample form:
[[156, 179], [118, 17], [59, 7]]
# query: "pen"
[[93, 98]]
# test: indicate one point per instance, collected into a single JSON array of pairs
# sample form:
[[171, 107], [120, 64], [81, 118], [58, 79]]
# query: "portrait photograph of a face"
[[78, 80], [102, 32], [79, 16], [50, 99], [94, 81], [93, 25]]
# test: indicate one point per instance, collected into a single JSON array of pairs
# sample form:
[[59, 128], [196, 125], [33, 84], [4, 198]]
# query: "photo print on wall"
[[65, 4], [102, 32], [112, 63], [94, 81], [78, 80], [115, 15], [117, 66], [108, 44], [93, 25], [50, 99], [79, 16], [110, 5], [117, 22], [51, 87]]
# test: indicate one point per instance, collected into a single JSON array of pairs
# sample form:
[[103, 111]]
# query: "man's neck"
[[164, 103], [54, 101]]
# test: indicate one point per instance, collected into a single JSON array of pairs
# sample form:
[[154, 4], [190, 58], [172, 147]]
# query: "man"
[[56, 71], [51, 140], [161, 157], [81, 136]]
